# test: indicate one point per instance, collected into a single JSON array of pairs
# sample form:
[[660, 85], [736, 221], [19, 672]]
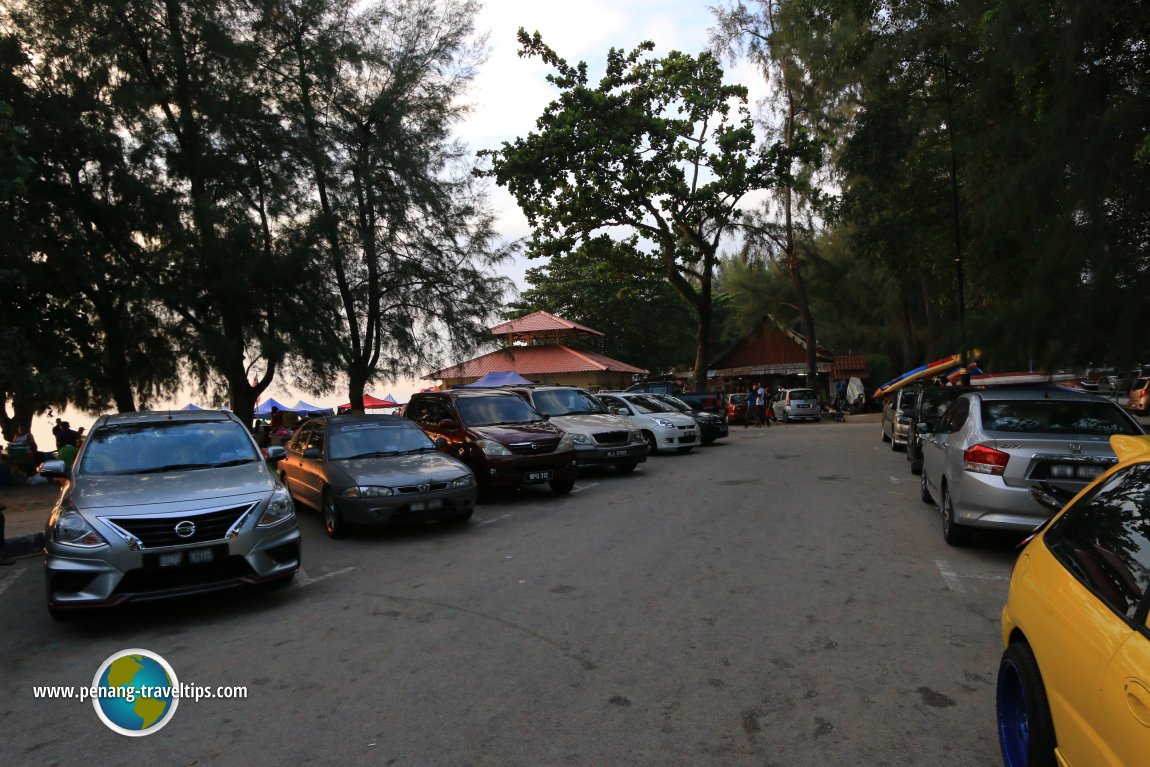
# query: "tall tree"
[[374, 92], [659, 154]]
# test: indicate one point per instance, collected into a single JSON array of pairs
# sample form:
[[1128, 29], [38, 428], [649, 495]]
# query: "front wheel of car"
[[1025, 729], [882, 430], [915, 463], [333, 521], [562, 486], [952, 532], [652, 443], [923, 489]]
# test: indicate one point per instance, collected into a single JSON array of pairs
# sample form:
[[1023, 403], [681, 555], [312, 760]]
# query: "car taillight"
[[981, 459]]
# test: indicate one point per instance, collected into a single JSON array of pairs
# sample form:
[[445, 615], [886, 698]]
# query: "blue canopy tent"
[[190, 406], [265, 408], [497, 378], [304, 408]]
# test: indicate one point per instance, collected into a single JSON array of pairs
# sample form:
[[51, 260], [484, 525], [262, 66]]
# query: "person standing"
[[763, 415], [752, 407]]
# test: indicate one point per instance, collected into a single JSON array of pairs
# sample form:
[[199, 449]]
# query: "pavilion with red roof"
[[534, 349]]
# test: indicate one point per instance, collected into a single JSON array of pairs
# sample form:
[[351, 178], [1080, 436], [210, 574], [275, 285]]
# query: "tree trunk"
[[356, 383]]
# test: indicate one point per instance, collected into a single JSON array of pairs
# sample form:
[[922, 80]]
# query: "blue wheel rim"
[[1013, 722]]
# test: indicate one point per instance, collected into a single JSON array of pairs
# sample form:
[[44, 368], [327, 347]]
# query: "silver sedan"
[[991, 446]]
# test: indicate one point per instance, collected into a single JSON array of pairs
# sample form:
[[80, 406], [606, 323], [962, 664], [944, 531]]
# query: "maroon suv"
[[505, 441]]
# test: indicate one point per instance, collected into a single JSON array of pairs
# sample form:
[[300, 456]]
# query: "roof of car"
[[338, 420], [1060, 393], [158, 416], [458, 393]]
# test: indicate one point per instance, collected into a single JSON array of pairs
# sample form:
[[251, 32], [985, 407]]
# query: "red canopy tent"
[[373, 403]]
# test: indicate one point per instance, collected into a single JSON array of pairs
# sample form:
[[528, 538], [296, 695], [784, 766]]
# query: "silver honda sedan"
[[164, 504], [992, 445]]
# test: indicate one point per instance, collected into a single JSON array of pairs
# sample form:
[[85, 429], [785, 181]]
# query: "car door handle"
[[1138, 701]]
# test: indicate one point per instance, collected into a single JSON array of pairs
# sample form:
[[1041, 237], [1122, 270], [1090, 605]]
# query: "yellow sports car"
[[1074, 682]]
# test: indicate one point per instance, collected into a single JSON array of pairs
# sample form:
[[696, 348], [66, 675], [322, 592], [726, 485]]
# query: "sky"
[[507, 96]]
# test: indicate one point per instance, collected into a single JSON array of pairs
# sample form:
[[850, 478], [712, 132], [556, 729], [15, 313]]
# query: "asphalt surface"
[[779, 598]]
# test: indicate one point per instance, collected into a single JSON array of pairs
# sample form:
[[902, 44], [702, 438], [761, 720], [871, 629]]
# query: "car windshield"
[[649, 405], [371, 439], [495, 410], [161, 446], [557, 402], [1051, 416], [907, 403], [936, 401], [737, 399], [675, 403], [803, 394]]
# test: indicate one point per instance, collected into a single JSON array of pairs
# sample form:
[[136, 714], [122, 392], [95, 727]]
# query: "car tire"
[[561, 486], [882, 429], [1025, 730], [333, 522], [625, 468], [923, 489], [915, 464], [893, 446], [952, 532], [463, 518], [652, 443], [61, 614]]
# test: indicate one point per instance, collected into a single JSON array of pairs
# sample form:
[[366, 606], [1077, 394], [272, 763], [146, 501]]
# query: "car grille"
[[156, 532], [686, 439], [424, 488], [612, 437], [532, 448]]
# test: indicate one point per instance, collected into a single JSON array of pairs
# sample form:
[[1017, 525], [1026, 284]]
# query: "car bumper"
[[516, 470], [675, 437], [901, 434], [415, 507], [610, 455], [709, 432], [115, 574], [805, 412], [985, 501]]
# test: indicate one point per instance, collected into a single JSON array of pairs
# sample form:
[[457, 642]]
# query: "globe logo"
[[137, 692]]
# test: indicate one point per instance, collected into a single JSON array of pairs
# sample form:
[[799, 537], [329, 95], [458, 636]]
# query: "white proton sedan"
[[661, 425]]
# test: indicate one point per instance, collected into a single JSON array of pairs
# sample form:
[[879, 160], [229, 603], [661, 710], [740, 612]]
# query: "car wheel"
[[915, 463], [61, 614], [652, 443], [464, 517], [625, 468], [952, 532], [882, 429], [893, 446], [280, 583], [1025, 729], [333, 521], [561, 486], [923, 490]]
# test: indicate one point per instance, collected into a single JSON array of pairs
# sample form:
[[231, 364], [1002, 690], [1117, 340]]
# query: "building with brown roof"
[[534, 349]]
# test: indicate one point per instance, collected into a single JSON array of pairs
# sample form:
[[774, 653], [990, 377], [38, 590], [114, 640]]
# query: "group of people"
[[758, 414]]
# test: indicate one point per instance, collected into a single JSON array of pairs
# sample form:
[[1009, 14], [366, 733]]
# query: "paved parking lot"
[[779, 598]]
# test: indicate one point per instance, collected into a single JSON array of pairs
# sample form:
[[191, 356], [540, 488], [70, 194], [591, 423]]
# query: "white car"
[[661, 425]]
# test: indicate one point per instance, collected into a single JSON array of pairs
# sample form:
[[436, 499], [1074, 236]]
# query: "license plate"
[[616, 453], [185, 557], [426, 505], [803, 406], [540, 476]]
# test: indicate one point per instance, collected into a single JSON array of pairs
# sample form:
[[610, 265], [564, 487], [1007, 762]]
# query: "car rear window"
[[495, 410], [803, 394], [737, 399], [1104, 539], [155, 446], [1051, 416], [1141, 383]]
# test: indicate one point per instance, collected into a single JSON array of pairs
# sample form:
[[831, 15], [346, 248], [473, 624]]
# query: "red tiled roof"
[[535, 360], [847, 365], [542, 323]]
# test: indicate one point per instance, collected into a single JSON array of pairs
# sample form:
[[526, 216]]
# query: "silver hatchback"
[[166, 504], [991, 446]]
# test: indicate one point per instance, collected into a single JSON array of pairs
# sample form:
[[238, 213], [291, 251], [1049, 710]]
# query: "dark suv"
[[505, 441]]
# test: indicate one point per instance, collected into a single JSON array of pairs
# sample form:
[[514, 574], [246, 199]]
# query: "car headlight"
[[368, 491], [72, 529], [467, 480], [664, 423], [280, 508], [491, 447], [637, 437], [579, 439], [566, 442]]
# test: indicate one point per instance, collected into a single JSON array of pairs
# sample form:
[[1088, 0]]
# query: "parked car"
[[601, 438], [704, 401], [793, 404], [662, 426], [990, 446], [161, 504], [711, 426], [930, 403], [1074, 680], [374, 470], [736, 408], [1138, 398], [505, 441], [898, 417]]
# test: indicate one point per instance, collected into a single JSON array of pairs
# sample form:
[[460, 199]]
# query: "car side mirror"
[[922, 427], [275, 453], [440, 444], [53, 470], [313, 453], [447, 423], [620, 411]]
